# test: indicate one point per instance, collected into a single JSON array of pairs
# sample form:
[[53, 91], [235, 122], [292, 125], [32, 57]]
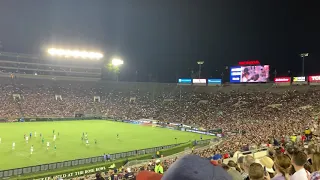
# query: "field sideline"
[[69, 144]]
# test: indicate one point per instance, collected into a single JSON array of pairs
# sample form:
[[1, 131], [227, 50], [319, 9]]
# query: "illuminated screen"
[[214, 81], [249, 73], [185, 81], [299, 79], [199, 81]]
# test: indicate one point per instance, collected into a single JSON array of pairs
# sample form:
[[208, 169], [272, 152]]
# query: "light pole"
[[116, 63], [200, 63], [302, 55]]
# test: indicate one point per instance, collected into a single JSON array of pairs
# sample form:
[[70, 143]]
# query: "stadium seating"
[[251, 116]]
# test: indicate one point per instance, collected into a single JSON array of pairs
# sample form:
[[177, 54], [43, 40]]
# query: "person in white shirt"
[[31, 150], [27, 139], [48, 145], [13, 145], [298, 160]]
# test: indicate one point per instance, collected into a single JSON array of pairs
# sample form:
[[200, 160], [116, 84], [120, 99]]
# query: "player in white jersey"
[[48, 145], [87, 142], [27, 139], [35, 134], [31, 149], [54, 137], [13, 145]]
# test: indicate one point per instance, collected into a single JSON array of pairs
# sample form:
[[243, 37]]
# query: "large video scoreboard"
[[244, 74]]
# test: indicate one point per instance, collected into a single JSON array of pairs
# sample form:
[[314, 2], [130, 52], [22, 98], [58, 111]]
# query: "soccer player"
[[86, 136], [40, 135], [24, 136], [87, 142], [13, 145], [30, 134], [58, 134], [31, 150], [48, 145], [95, 141], [54, 137], [117, 136], [55, 147], [53, 132], [42, 140], [27, 139]]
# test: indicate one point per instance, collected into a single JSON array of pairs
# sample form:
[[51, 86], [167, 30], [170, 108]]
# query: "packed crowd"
[[250, 117], [289, 163], [235, 112]]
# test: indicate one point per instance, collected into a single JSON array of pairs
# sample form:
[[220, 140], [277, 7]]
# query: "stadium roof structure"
[[18, 63]]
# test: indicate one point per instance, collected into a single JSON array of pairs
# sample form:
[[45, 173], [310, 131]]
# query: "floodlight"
[[117, 62], [304, 54], [200, 62], [75, 53]]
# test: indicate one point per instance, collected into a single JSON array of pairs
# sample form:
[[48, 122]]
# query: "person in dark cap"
[[193, 167]]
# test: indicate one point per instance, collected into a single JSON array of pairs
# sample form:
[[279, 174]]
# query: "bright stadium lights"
[[74, 53], [117, 62]]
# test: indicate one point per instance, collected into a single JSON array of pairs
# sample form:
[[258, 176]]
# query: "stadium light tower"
[[116, 63], [67, 53], [200, 63], [302, 55]]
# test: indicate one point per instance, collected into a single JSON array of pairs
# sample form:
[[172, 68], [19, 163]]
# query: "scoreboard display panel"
[[249, 74]]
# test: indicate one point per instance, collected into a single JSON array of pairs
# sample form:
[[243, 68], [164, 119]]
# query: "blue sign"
[[235, 74], [185, 81], [214, 81]]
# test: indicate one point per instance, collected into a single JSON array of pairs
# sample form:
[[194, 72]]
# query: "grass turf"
[[69, 143]]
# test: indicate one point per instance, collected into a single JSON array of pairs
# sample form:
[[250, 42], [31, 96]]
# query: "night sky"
[[163, 39]]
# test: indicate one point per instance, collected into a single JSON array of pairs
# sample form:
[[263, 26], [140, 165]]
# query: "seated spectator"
[[256, 172], [282, 164], [298, 161], [232, 172], [98, 176], [234, 165]]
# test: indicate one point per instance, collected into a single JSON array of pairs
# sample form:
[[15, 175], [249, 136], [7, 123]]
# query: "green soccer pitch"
[[69, 144]]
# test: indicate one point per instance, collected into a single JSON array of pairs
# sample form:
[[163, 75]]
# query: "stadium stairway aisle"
[[17, 101]]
